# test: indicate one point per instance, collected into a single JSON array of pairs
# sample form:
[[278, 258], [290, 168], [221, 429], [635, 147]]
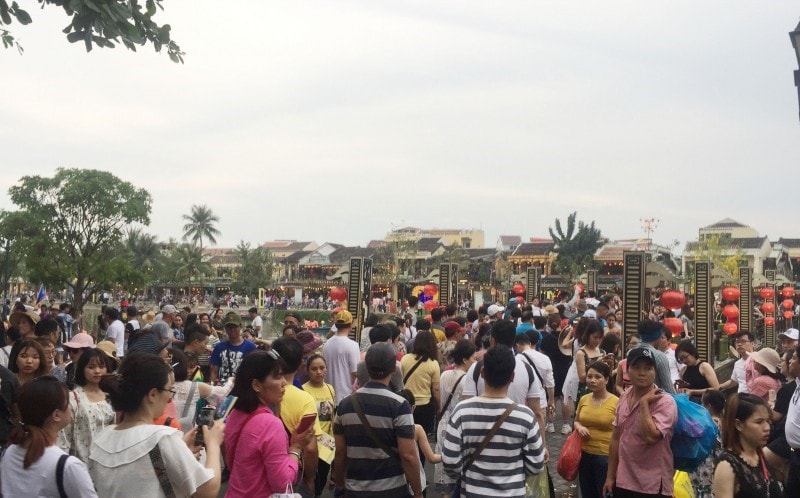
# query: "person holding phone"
[[125, 459], [261, 455]]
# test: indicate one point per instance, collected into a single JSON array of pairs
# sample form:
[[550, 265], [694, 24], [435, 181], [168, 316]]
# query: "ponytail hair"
[[137, 375], [37, 400]]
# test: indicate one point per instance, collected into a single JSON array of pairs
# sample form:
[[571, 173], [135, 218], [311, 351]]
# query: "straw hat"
[[16, 316]]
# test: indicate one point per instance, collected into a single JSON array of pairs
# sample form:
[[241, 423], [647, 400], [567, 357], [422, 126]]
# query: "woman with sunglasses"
[[137, 457], [30, 465], [262, 457]]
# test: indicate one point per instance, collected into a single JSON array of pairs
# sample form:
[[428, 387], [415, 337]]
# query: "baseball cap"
[[80, 341], [108, 348], [169, 309], [641, 353], [494, 309], [145, 342], [232, 318], [344, 317], [590, 314], [792, 334], [452, 326]]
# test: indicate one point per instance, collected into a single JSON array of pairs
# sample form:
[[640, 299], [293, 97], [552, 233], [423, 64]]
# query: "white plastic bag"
[[288, 493]]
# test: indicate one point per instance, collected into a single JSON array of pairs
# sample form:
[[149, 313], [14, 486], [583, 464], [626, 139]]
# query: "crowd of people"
[[473, 394]]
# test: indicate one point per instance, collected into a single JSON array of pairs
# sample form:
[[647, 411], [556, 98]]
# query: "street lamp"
[[795, 37]]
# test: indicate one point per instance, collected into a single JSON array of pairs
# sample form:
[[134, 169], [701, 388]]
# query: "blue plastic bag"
[[694, 436]]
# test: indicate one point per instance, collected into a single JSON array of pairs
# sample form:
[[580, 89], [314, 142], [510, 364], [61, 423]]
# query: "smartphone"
[[206, 417], [306, 422], [225, 408]]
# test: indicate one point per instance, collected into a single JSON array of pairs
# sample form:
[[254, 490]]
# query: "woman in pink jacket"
[[262, 458]]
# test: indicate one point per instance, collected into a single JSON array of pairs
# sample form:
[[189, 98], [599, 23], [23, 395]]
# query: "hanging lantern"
[[768, 307], [787, 292], [430, 290], [674, 325], [766, 293], [787, 304], [519, 289], [788, 314], [672, 299], [731, 312], [730, 293], [338, 294], [769, 321], [730, 328], [430, 305]]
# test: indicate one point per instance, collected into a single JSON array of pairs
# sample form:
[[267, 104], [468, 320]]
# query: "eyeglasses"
[[172, 392], [274, 354], [682, 358]]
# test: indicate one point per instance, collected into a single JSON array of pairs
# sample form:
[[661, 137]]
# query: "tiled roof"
[[510, 240], [479, 253], [344, 254], [727, 223], [296, 256], [533, 249], [376, 244], [789, 242], [428, 244]]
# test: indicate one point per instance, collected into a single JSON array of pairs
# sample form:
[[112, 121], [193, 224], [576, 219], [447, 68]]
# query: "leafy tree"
[[721, 251], [254, 270], [191, 262], [14, 229], [101, 22], [576, 248], [200, 224], [142, 259], [75, 221]]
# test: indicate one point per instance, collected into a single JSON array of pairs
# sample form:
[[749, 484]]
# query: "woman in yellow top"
[[325, 398], [593, 421], [421, 377]]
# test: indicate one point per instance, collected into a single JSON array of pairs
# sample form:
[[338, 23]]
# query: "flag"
[[41, 295]]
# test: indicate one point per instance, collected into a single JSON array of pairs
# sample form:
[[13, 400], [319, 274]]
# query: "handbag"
[[481, 447], [413, 368], [287, 493], [570, 458]]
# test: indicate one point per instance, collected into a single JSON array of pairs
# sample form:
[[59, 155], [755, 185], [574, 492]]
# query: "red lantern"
[[768, 307], [787, 292], [769, 321], [730, 328], [767, 293], [519, 289], [430, 290], [788, 314], [338, 294], [672, 299], [731, 312], [674, 325], [788, 304], [730, 293], [429, 305]]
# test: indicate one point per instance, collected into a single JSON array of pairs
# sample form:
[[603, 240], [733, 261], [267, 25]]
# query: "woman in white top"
[[32, 464], [186, 396], [91, 412], [138, 458], [451, 385]]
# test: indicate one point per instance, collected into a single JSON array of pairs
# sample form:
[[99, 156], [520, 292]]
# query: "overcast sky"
[[335, 121]]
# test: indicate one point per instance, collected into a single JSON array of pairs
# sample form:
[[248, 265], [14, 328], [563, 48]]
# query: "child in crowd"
[[422, 442]]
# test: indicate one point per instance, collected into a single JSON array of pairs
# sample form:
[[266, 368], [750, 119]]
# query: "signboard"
[[703, 314], [444, 284], [354, 297], [633, 297], [746, 298], [533, 278], [769, 330], [591, 282]]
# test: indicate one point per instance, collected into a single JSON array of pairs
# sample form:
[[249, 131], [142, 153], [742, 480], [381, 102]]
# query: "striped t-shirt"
[[515, 451], [370, 471]]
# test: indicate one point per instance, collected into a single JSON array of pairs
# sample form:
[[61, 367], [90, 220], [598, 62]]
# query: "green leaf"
[[87, 38], [151, 8], [74, 36], [23, 17], [5, 17], [92, 6]]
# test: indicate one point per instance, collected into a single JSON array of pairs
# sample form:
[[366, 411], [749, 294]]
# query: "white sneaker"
[[550, 427], [566, 429]]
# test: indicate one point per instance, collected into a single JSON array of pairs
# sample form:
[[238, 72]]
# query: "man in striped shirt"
[[515, 451], [379, 460]]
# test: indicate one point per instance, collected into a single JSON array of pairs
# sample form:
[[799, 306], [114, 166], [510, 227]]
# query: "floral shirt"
[[88, 419]]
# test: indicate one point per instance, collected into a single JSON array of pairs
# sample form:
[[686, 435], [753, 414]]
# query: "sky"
[[339, 120]]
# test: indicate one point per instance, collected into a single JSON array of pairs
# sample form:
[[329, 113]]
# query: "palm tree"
[[191, 262], [575, 248], [143, 247], [200, 224]]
